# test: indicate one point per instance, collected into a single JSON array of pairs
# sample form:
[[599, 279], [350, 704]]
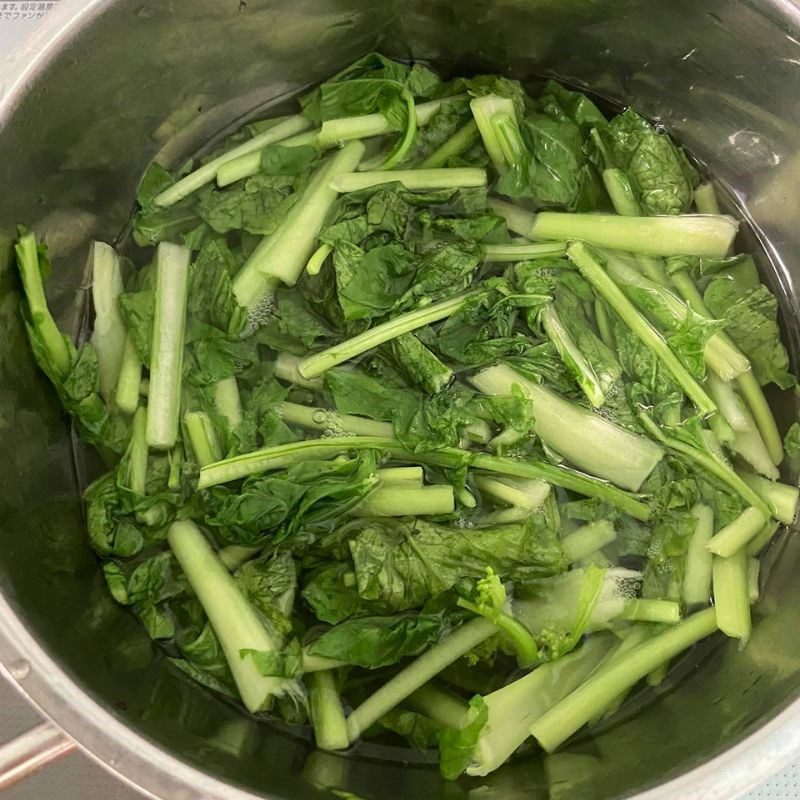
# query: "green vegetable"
[[662, 178], [126, 395], [374, 642], [431, 663], [592, 269], [456, 744], [674, 316], [322, 419], [237, 625], [582, 600], [497, 122], [750, 313], [523, 252], [402, 564], [440, 705], [655, 236], [569, 715], [737, 534], [572, 356], [51, 348], [705, 198], [336, 131], [453, 147], [201, 435], [780, 499], [491, 602], [250, 163], [445, 178], [108, 336], [513, 709], [74, 374], [282, 256], [588, 539], [315, 365], [791, 442], [367, 449], [732, 595], [696, 588], [281, 456], [420, 364], [166, 367], [588, 441], [327, 716], [397, 501], [529, 495], [208, 172]]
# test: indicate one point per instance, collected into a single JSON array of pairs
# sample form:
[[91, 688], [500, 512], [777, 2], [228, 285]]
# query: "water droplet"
[[754, 145], [19, 670]]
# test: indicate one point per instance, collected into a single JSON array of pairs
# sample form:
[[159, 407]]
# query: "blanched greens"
[[430, 385]]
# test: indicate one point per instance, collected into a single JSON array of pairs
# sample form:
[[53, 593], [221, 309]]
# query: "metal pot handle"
[[30, 752]]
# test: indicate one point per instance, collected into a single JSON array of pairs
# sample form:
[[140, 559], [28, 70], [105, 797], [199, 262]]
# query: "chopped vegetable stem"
[[560, 722], [593, 271], [208, 172], [418, 673]]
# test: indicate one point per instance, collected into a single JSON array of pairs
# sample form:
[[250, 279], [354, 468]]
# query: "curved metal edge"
[[105, 738], [148, 768], [742, 767]]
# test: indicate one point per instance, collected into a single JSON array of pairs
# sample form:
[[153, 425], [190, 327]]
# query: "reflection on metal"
[[91, 100], [27, 754]]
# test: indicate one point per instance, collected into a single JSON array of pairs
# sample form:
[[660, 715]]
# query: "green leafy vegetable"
[[368, 454], [374, 642]]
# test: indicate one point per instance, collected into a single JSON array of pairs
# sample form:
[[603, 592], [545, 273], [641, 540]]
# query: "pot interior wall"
[[147, 76]]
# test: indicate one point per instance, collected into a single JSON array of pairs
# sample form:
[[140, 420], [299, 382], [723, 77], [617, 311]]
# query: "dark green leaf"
[[210, 296], [751, 320], [370, 284], [279, 160], [258, 205], [374, 642], [155, 181], [293, 326], [444, 271], [249, 514], [405, 563], [419, 731], [658, 170], [419, 364], [138, 310], [791, 442], [288, 663], [560, 103]]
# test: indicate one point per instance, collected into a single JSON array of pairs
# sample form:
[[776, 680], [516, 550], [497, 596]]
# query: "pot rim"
[[135, 759]]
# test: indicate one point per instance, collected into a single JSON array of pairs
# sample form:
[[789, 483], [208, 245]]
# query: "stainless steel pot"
[[106, 84]]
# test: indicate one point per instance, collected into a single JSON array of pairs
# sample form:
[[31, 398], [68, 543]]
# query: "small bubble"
[[319, 416], [260, 315], [19, 670]]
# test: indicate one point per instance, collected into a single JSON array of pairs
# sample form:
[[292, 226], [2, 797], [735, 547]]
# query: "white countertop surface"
[[76, 777]]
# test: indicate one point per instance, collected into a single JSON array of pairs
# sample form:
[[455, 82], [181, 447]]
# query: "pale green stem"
[[418, 673], [206, 174], [415, 179], [732, 596]]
